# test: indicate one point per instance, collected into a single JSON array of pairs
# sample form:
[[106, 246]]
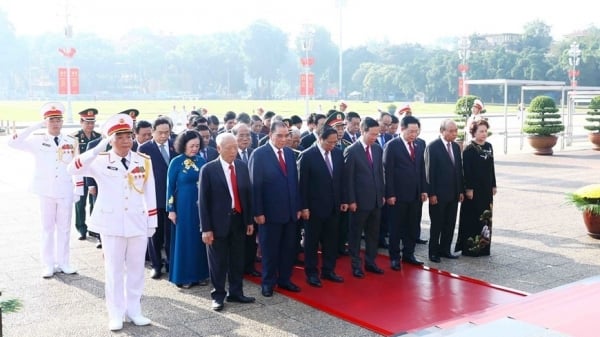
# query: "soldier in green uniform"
[[83, 137]]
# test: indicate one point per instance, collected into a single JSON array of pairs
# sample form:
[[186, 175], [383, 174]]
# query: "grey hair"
[[224, 137], [446, 123]]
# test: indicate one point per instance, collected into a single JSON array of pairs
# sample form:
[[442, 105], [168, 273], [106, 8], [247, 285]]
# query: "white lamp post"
[[463, 53], [307, 44], [574, 56]]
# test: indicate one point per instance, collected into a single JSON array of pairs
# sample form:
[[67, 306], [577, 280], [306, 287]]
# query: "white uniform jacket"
[[50, 176], [126, 202]]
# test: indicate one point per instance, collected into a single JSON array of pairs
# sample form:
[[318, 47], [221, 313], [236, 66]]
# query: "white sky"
[[397, 21]]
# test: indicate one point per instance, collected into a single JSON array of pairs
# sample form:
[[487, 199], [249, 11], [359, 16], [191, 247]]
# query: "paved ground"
[[539, 243]]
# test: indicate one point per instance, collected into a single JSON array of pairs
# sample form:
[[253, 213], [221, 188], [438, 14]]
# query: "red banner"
[[64, 81], [311, 85], [307, 61]]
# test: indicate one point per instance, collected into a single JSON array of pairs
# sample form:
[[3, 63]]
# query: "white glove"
[[101, 147], [151, 232]]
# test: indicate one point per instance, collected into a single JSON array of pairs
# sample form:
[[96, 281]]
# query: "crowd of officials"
[[206, 204]]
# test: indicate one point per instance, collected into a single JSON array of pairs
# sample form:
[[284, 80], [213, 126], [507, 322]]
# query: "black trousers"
[[325, 231], [404, 226], [443, 221], [161, 239], [367, 221], [226, 259]]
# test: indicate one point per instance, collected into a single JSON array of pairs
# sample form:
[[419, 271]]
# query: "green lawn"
[[27, 111]]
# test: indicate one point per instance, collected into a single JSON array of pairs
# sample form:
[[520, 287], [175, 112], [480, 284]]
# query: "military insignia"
[[112, 168], [46, 145]]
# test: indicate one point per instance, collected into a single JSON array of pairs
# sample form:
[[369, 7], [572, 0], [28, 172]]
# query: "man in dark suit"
[[321, 170], [276, 204], [160, 150], [405, 190], [352, 131], [242, 133], [255, 130], [309, 139], [363, 174], [385, 121], [443, 169], [225, 211], [207, 152]]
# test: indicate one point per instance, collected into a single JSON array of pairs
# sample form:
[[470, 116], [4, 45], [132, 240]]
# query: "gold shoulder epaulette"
[[38, 133], [103, 153]]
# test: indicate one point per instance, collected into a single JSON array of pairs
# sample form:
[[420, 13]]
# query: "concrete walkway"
[[539, 243]]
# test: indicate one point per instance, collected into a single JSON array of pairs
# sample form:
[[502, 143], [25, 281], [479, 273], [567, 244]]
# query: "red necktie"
[[237, 205], [412, 151], [282, 162], [369, 158]]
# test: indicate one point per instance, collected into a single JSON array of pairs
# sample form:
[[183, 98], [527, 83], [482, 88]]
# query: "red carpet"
[[399, 302]]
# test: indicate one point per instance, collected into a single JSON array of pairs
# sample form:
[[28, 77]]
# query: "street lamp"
[[574, 56], [307, 44], [463, 53]]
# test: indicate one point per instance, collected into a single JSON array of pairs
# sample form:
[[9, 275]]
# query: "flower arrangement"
[[586, 198], [483, 239], [188, 163]]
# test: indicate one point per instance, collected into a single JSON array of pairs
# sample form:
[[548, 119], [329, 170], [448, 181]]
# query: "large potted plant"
[[463, 110], [594, 122], [587, 200], [542, 123]]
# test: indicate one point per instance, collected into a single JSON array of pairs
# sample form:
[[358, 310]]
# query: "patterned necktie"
[[412, 150], [282, 162], [164, 153], [369, 158], [237, 205], [328, 162], [124, 161], [56, 141], [449, 148]]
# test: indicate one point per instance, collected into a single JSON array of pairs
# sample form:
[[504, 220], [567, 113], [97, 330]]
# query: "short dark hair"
[[212, 119], [296, 119], [351, 115], [277, 124], [368, 123], [160, 121], [409, 119], [243, 117], [229, 115], [268, 115], [194, 113], [183, 138], [256, 118], [326, 131], [476, 124], [395, 120], [141, 124], [202, 127]]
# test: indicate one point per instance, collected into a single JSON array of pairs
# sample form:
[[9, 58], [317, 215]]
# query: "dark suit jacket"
[[387, 138], [348, 138], [404, 178], [308, 140], [363, 185], [320, 191], [159, 168], [255, 139], [211, 153], [274, 194], [215, 200], [248, 151], [444, 179]]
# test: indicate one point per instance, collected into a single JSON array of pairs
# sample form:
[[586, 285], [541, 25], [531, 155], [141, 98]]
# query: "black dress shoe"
[[421, 241], [333, 277], [450, 256], [344, 252], [240, 299], [82, 237], [434, 258], [412, 260], [99, 245], [299, 263], [356, 272], [383, 245], [217, 305], [156, 274], [266, 291], [373, 269], [314, 281], [253, 272], [289, 287], [395, 265]]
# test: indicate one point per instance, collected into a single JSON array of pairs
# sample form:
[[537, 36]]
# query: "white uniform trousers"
[[124, 260], [56, 229]]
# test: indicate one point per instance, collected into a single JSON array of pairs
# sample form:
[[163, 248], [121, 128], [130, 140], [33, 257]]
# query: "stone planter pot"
[[542, 144], [592, 223], [594, 138]]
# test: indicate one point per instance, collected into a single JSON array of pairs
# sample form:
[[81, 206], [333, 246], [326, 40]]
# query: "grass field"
[[27, 111]]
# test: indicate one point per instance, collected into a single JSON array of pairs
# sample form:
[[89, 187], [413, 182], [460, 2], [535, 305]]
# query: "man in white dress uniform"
[[124, 215], [52, 151]]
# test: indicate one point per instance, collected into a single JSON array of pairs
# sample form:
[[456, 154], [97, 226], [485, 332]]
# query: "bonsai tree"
[[594, 115], [542, 118], [463, 110]]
